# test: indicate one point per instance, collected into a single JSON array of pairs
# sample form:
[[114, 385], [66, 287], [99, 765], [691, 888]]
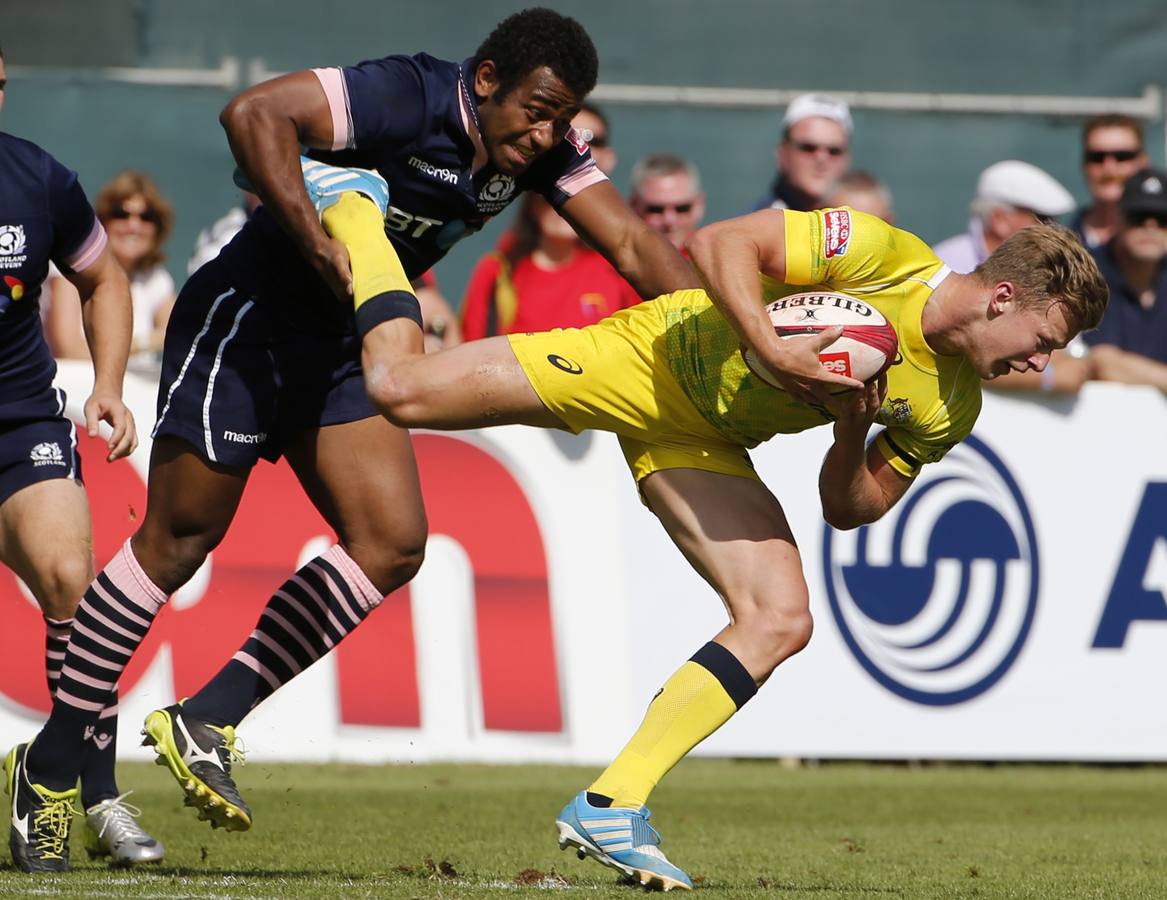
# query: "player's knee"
[[63, 581], [400, 393], [170, 560], [797, 632], [392, 397], [781, 633], [389, 565]]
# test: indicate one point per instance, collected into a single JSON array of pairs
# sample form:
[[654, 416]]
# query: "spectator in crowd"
[[863, 191], [1112, 151], [218, 234], [1010, 196], [593, 126], [138, 220], [542, 277], [813, 153], [666, 193], [1130, 345]]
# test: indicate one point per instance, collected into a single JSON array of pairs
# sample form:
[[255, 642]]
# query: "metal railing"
[[231, 75]]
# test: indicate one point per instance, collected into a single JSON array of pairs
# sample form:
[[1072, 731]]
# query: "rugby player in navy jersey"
[[45, 531], [262, 357]]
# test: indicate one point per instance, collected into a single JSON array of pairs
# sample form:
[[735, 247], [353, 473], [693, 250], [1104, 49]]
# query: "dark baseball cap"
[[1145, 192]]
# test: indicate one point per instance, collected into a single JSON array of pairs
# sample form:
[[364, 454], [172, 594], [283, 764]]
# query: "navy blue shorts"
[[38, 442], [240, 380]]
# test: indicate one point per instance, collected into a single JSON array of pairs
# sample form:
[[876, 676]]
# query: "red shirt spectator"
[[544, 278]]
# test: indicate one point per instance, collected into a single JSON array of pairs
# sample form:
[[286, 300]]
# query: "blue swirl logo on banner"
[[936, 599]]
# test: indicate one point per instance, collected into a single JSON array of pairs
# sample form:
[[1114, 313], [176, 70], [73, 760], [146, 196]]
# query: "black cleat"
[[38, 835], [200, 757]]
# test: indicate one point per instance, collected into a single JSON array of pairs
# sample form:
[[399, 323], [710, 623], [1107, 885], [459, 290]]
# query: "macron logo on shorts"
[[47, 454], [236, 437]]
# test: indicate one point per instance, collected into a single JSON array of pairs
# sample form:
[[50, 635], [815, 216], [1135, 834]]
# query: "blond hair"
[[1048, 264]]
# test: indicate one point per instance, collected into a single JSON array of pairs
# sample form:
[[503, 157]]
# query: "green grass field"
[[741, 829]]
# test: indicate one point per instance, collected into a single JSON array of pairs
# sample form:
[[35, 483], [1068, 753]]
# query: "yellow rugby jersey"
[[932, 400]]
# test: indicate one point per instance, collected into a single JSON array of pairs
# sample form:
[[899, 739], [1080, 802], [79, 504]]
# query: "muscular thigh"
[[363, 479], [46, 539], [190, 502], [734, 533], [45, 534], [473, 385]]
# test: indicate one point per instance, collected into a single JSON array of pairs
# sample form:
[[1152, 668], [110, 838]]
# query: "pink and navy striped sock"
[[310, 614], [114, 616], [56, 640], [98, 778]]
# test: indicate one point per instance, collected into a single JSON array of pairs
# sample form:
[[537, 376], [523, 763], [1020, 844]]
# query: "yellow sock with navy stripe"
[[698, 699], [381, 289]]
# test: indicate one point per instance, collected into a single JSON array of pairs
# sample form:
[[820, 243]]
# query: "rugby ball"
[[865, 349]]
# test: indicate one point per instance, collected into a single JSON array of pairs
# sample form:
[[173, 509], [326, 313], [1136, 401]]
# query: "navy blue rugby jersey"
[[415, 120], [44, 215]]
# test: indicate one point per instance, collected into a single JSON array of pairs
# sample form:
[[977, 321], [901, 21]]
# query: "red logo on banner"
[[376, 664]]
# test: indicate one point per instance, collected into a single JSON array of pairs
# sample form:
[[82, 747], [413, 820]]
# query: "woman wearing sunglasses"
[[138, 220]]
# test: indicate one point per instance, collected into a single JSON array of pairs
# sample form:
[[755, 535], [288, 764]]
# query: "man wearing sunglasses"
[[666, 193], [814, 152], [1130, 345], [1112, 152], [1011, 195]]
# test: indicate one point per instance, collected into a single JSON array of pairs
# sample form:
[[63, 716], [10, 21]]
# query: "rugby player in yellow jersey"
[[668, 377]]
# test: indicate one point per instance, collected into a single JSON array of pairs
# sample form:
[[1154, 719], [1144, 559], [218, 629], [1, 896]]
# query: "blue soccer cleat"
[[619, 837], [326, 184]]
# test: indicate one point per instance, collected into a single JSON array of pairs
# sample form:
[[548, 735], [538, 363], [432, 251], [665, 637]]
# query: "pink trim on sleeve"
[[86, 255], [332, 80], [574, 182]]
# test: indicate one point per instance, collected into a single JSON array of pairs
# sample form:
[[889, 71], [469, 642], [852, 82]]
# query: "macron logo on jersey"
[[433, 171]]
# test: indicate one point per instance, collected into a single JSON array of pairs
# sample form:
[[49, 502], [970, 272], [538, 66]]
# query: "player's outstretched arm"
[[728, 256], [649, 263], [266, 126], [856, 484], [107, 316]]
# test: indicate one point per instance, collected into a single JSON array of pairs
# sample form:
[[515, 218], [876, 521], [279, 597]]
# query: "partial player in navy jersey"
[[262, 354], [45, 531]]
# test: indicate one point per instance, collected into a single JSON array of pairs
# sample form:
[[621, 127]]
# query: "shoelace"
[[53, 820], [233, 746], [118, 817]]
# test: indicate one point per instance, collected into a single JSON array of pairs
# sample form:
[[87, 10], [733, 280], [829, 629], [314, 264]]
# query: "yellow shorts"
[[614, 376]]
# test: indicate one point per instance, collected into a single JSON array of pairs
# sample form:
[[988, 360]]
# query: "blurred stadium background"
[[71, 91]]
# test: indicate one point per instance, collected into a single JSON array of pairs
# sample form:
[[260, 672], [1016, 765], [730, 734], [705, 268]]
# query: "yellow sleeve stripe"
[[355, 221], [800, 256], [898, 458]]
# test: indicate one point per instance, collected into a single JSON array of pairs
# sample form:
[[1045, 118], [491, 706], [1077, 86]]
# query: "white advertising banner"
[[1012, 606]]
